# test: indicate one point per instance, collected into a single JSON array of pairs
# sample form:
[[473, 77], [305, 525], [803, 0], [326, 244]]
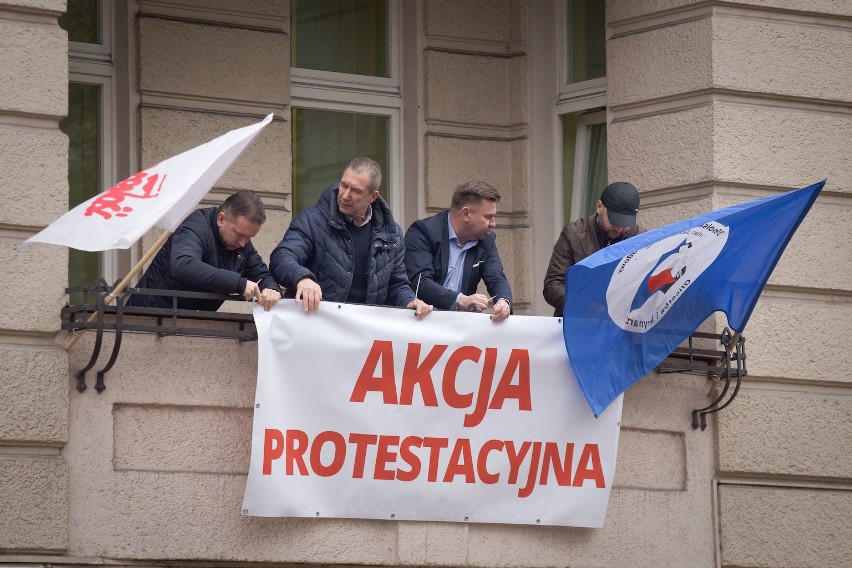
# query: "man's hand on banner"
[[252, 291], [268, 298], [473, 303], [421, 308], [310, 293], [502, 309]]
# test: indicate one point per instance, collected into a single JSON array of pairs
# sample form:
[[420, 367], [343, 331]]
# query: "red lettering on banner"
[[461, 462], [482, 461], [409, 458], [537, 459], [561, 470], [361, 442], [516, 459], [527, 489], [451, 369], [384, 456], [297, 445], [420, 374], [519, 363], [109, 203], [339, 443], [435, 446], [486, 379], [367, 379], [589, 467], [273, 448]]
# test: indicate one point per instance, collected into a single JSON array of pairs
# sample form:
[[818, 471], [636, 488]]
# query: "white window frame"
[[570, 98], [362, 94], [581, 151], [581, 95], [92, 64]]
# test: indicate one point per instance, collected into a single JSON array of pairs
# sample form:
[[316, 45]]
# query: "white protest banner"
[[365, 412], [162, 195]]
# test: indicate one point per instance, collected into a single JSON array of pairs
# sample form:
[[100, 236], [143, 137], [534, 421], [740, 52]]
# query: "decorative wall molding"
[[174, 101], [707, 97], [195, 12], [702, 10], [493, 132]]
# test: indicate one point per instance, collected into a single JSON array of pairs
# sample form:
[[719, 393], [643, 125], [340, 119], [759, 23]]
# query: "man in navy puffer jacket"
[[211, 251], [347, 247]]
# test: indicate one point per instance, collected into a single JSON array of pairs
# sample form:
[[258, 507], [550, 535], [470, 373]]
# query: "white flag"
[[162, 195]]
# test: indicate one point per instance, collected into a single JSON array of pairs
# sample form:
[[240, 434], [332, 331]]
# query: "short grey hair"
[[363, 164]]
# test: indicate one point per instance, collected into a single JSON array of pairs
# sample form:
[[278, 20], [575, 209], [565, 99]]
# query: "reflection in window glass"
[[569, 145], [583, 153], [594, 179], [586, 40], [325, 141], [342, 36], [82, 21], [83, 125]]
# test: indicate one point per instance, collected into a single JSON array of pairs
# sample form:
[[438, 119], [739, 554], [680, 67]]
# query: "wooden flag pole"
[[123, 284]]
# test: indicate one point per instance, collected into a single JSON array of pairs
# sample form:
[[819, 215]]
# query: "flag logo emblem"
[[647, 283]]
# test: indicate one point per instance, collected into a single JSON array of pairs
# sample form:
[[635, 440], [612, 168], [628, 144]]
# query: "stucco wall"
[[715, 105], [474, 117], [34, 477]]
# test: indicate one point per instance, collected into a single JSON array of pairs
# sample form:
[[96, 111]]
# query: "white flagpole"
[[123, 284]]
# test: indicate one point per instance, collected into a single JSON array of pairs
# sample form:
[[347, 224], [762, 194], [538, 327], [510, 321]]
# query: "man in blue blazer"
[[447, 254]]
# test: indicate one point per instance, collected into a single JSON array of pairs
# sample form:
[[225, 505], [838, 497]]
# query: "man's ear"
[[220, 218], [375, 196]]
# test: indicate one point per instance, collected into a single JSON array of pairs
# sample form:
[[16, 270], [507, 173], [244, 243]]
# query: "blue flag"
[[630, 304]]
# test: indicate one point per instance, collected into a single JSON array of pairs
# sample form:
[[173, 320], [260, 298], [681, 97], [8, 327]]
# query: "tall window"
[[581, 106], [89, 122], [345, 93]]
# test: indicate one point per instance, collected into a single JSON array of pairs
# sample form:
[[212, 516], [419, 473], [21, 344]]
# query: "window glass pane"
[[595, 179], [82, 21], [325, 141], [586, 40], [584, 173], [82, 125], [569, 141], [343, 36]]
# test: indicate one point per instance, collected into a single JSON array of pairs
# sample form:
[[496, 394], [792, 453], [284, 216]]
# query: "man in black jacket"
[[449, 253], [211, 251]]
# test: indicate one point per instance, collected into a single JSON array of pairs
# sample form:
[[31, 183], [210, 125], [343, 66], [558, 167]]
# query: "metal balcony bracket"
[[727, 363], [98, 291], [93, 314]]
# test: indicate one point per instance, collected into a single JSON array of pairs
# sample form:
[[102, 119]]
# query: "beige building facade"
[[703, 104]]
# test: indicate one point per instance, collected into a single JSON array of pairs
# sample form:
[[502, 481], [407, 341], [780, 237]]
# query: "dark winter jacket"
[[195, 259], [317, 245], [427, 255], [578, 240]]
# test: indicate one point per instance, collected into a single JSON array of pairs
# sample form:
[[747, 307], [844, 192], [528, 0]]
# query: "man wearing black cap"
[[614, 220]]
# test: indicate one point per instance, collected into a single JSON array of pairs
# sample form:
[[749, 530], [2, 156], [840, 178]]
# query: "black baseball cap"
[[621, 200]]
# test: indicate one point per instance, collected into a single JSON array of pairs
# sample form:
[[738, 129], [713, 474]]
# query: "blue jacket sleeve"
[[256, 270], [400, 292], [419, 262], [493, 275], [290, 259], [188, 268]]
